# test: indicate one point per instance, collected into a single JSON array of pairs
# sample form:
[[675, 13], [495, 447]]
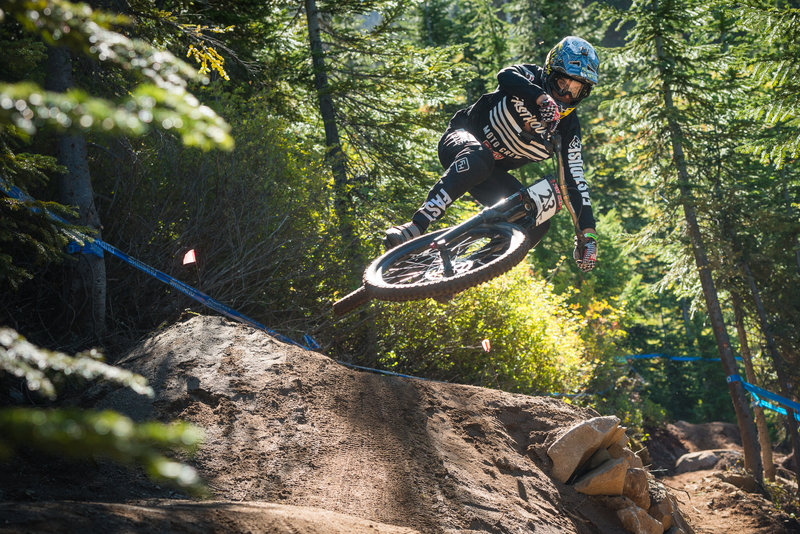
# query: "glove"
[[586, 256], [548, 110]]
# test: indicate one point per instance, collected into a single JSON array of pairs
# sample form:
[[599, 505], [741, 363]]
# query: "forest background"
[[298, 131]]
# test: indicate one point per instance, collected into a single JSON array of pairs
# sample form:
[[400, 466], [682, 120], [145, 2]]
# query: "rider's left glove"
[[586, 256]]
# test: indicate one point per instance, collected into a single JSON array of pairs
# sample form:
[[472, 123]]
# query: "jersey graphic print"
[[496, 155], [503, 131], [462, 165], [575, 163]]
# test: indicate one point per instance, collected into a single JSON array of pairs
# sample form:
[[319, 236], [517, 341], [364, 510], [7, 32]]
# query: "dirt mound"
[[290, 426], [297, 442], [665, 445], [707, 436]]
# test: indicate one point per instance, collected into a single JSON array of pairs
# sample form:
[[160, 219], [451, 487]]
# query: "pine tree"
[[774, 64], [160, 99], [665, 74]]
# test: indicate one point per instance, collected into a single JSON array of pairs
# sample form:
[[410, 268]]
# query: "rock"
[[696, 461], [616, 451], [661, 505], [608, 479], [600, 457], [675, 530], [617, 436], [578, 443], [678, 521], [637, 488], [615, 503], [744, 482], [637, 521]]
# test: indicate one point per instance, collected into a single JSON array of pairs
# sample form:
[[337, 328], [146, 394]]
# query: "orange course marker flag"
[[189, 257], [486, 345]]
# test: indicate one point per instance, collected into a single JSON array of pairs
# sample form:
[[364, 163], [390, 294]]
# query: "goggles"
[[576, 89]]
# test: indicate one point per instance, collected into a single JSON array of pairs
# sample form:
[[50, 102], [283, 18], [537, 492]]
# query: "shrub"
[[535, 337]]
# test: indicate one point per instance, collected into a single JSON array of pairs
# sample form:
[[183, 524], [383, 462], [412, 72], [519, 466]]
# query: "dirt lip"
[[297, 442]]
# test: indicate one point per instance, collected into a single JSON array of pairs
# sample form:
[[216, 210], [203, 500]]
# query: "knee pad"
[[453, 142]]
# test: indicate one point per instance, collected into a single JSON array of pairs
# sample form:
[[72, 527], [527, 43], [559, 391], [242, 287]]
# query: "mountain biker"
[[508, 128]]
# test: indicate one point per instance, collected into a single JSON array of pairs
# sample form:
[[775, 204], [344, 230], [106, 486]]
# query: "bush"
[[536, 346], [260, 219]]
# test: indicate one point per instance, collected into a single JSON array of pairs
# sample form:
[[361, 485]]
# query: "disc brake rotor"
[[436, 272]]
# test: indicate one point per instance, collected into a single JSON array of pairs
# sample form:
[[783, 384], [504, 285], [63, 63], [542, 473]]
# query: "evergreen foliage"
[[774, 64], [82, 433], [160, 101], [30, 236]]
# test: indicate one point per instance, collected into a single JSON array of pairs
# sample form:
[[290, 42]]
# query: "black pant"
[[469, 167]]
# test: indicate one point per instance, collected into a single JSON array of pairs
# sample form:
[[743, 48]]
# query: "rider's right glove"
[[548, 110]]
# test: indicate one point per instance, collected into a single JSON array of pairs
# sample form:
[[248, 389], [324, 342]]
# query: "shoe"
[[397, 235]]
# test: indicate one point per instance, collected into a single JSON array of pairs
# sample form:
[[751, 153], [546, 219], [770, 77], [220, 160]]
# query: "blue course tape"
[[758, 392], [673, 358], [73, 247], [768, 405], [755, 391], [93, 245]]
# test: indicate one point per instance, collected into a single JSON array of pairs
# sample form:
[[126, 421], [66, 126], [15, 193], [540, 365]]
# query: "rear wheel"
[[416, 270]]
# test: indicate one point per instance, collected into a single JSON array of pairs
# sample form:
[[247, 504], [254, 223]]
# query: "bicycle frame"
[[510, 209], [513, 208]]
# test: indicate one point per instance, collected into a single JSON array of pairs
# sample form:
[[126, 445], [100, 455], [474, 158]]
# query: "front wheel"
[[416, 270]]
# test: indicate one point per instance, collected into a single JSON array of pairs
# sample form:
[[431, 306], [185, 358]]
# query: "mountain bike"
[[442, 263]]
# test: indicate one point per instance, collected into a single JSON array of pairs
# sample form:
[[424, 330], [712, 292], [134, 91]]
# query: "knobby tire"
[[413, 270]]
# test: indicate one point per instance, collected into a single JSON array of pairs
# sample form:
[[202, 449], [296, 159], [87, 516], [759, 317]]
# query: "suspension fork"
[[562, 184]]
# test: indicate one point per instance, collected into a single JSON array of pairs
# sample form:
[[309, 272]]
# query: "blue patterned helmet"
[[571, 68]]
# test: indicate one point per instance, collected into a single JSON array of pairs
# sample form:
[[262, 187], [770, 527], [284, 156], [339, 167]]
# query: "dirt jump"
[[297, 442]]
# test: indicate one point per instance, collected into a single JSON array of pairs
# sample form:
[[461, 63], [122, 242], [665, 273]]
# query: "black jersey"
[[498, 118]]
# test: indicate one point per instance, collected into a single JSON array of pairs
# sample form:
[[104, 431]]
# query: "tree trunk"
[[777, 362], [761, 421], [790, 211], [744, 418], [87, 285], [687, 323], [343, 200], [327, 110]]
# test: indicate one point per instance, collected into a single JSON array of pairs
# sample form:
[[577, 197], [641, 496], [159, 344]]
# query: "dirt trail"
[[299, 443]]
